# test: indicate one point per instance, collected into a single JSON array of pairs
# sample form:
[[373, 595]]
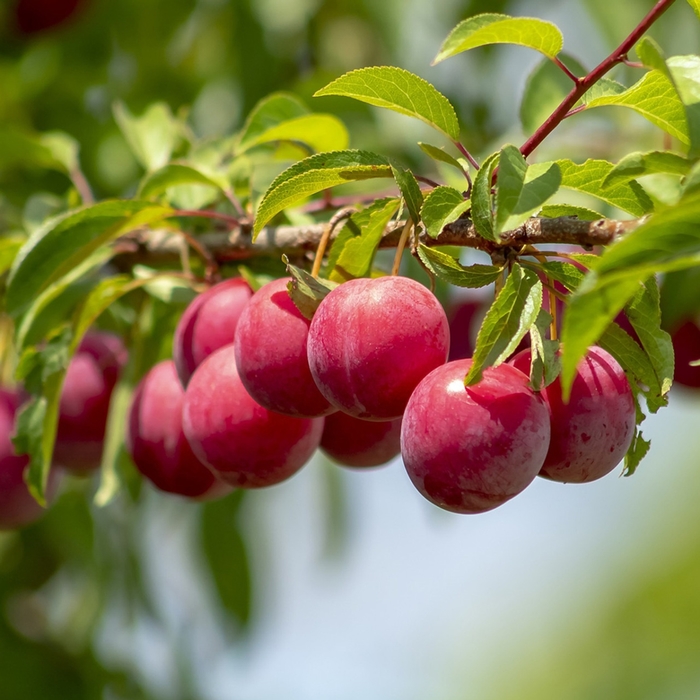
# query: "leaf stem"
[[560, 64], [462, 149], [619, 55]]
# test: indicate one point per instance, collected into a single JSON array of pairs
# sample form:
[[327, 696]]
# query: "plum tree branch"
[[299, 241]]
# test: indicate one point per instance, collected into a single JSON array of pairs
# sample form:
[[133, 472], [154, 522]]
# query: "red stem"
[[208, 214], [585, 83]]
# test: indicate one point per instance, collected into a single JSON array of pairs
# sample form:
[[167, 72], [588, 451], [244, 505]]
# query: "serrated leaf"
[[545, 88], [482, 208], [320, 132], [268, 113], [410, 191], [636, 453], [638, 164], [605, 87], [64, 242], [173, 175], [563, 272], [588, 177], [545, 363], [399, 90], [306, 291], [655, 97], [315, 174], [490, 28], [553, 211], [651, 55], [507, 321], [522, 189], [357, 252], [441, 206], [152, 137], [440, 155], [445, 267]]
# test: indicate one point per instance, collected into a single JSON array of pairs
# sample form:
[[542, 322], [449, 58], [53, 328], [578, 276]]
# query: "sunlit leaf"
[[553, 211], [175, 174], [410, 191], [445, 267], [442, 206], [482, 204], [638, 164], [440, 155], [267, 114]]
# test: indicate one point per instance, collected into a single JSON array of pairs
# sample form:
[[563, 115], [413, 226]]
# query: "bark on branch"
[[299, 241]]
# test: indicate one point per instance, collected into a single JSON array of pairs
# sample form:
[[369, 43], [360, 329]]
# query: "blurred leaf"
[[489, 28], [638, 164], [315, 174], [522, 189], [441, 206], [507, 321], [152, 137], [336, 509], [410, 191], [320, 132], [64, 242], [440, 155], [482, 208], [268, 113], [545, 88], [9, 247], [399, 90], [155, 183], [685, 71], [445, 267], [695, 4], [64, 149]]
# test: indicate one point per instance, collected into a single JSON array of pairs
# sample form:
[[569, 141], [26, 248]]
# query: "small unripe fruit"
[[592, 432], [87, 389], [208, 323], [17, 506], [353, 442], [156, 442], [470, 449], [271, 354], [247, 445], [372, 340]]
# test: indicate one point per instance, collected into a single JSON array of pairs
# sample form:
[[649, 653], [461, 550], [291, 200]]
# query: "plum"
[[247, 445], [208, 323], [372, 340], [271, 354], [470, 449], [686, 346], [156, 442], [593, 431]]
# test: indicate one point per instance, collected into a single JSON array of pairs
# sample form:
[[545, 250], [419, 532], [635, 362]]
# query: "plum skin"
[[471, 449], [17, 506], [353, 442], [371, 341], [208, 323], [686, 346], [247, 445], [87, 389], [271, 356], [593, 431], [156, 442]]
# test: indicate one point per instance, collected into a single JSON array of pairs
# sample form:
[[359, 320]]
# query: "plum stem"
[[400, 247], [326, 236]]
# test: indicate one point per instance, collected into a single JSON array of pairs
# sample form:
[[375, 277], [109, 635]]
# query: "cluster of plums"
[[254, 388]]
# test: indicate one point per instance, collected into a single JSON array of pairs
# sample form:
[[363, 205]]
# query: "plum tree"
[[271, 357], [246, 445], [592, 431], [87, 389], [372, 340], [353, 442], [470, 449], [209, 323], [156, 442]]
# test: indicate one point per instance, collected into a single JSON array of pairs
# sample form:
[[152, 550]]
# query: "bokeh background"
[[342, 585]]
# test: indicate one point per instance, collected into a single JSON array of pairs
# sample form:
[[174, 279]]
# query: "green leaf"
[[442, 206], [685, 71], [320, 132], [545, 363], [268, 113], [638, 164], [410, 191], [695, 4], [507, 321], [306, 291], [152, 137], [482, 206], [64, 149], [655, 97], [64, 242], [440, 155], [447, 268], [563, 272], [588, 177], [691, 183], [545, 88], [553, 211], [651, 55], [9, 247], [636, 453], [315, 174], [398, 90], [488, 28], [175, 174], [522, 189], [357, 253], [227, 556]]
